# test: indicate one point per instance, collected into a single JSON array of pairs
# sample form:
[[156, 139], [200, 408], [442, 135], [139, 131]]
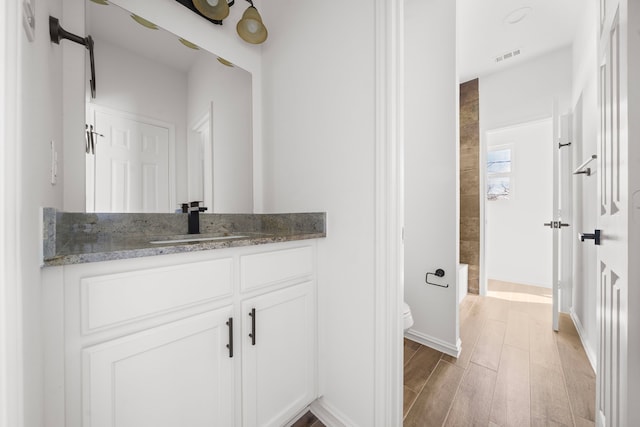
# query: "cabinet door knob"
[[253, 326], [230, 345]]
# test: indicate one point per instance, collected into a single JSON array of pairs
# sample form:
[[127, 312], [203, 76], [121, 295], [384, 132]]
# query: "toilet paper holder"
[[438, 273]]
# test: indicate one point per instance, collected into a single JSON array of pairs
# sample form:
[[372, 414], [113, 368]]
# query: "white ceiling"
[[483, 33], [115, 25]]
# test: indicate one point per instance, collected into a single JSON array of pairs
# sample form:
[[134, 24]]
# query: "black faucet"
[[193, 209]]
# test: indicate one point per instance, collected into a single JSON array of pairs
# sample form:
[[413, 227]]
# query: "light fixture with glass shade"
[[251, 28], [213, 9]]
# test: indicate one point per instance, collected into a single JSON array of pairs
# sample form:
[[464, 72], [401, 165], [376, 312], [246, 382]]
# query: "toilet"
[[406, 316]]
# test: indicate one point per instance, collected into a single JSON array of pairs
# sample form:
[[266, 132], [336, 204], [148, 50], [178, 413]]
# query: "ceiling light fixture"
[[517, 15]]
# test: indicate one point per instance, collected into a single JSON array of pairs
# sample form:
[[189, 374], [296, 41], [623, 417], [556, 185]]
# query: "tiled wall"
[[469, 181]]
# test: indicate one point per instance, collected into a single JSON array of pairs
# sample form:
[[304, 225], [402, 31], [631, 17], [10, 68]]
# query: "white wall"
[[319, 106], [9, 314], [525, 92], [520, 94], [39, 121], [518, 249], [585, 102], [134, 84], [431, 170], [229, 90]]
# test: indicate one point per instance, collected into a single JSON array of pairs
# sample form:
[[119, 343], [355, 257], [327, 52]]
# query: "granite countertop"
[[76, 238]]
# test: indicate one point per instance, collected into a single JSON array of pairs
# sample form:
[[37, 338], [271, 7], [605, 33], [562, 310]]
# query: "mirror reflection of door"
[[131, 164]]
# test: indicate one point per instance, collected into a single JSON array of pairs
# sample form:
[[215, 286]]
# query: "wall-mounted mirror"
[[170, 122]]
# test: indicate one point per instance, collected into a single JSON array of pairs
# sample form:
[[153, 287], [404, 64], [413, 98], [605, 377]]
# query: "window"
[[498, 173]]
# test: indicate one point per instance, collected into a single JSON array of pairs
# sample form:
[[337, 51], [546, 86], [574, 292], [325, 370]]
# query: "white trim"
[[194, 131], [435, 343], [591, 354], [297, 416], [11, 385], [388, 357], [329, 415]]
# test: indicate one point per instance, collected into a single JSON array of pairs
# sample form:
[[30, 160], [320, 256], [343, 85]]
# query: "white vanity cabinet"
[[223, 338], [278, 355], [178, 374]]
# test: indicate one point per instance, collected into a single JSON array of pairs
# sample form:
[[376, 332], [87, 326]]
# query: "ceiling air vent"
[[508, 55]]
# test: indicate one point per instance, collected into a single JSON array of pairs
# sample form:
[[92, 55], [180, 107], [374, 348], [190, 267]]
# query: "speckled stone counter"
[[75, 238]]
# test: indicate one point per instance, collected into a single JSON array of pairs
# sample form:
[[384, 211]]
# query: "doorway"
[[518, 176]]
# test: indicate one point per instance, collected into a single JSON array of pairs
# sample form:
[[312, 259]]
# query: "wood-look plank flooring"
[[514, 370], [308, 420]]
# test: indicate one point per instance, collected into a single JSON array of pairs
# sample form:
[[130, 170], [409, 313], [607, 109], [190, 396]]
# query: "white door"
[[562, 240], [567, 232], [178, 374], [278, 355], [131, 165], [617, 367], [553, 224]]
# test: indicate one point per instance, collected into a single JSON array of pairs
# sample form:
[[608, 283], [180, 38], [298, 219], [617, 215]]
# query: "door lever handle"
[[556, 224], [588, 236]]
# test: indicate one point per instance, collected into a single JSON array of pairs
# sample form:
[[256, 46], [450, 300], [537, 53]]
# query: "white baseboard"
[[435, 343], [591, 355], [329, 415], [297, 417]]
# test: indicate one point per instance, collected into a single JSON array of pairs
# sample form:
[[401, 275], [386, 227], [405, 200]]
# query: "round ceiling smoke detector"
[[517, 15]]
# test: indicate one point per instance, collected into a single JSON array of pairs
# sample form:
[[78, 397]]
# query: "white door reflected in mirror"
[[131, 164]]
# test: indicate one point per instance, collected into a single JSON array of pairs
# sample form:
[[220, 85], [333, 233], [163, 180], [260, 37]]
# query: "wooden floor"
[[308, 420], [513, 369]]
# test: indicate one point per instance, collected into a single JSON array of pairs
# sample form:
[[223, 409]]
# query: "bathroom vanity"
[[201, 336]]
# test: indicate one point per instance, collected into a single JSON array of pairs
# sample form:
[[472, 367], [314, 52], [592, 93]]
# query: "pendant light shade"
[[250, 28], [213, 9]]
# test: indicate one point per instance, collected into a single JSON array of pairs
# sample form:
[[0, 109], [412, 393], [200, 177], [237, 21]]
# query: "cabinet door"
[[278, 359], [178, 374]]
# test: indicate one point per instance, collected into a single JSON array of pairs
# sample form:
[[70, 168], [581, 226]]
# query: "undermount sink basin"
[[189, 238]]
